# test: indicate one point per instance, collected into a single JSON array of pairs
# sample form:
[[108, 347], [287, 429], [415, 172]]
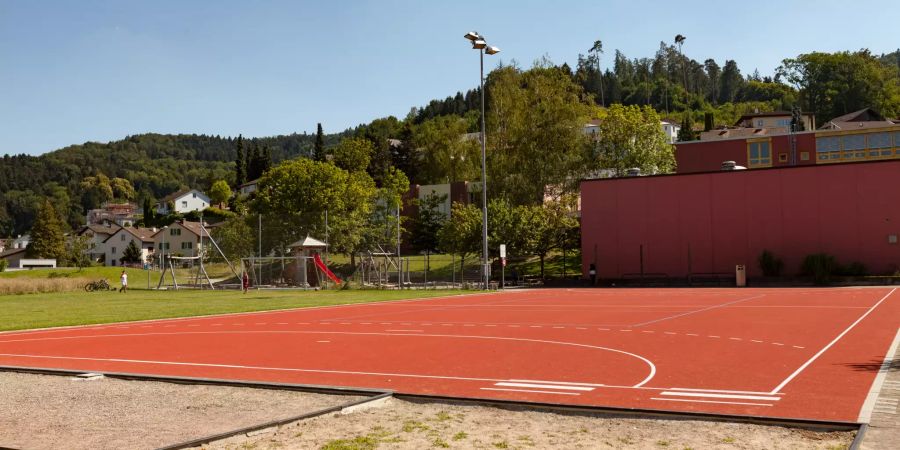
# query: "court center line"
[[708, 401], [697, 311], [830, 344]]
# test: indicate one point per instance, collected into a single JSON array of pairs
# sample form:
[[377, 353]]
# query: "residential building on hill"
[[114, 246], [864, 118], [760, 124], [181, 238], [183, 202], [121, 214], [97, 235]]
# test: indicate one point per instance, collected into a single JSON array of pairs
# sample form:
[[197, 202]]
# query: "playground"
[[810, 354]]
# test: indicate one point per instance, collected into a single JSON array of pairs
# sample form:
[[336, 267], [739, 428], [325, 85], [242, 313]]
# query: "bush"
[[3, 265], [821, 266], [770, 264], [854, 269]]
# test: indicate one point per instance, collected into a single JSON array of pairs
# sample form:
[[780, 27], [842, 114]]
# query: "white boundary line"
[[709, 401], [526, 390], [720, 391], [830, 344], [499, 338], [711, 395], [544, 386], [865, 414], [697, 311]]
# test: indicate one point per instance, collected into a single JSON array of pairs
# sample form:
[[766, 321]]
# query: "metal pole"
[[485, 265], [326, 235], [259, 243], [399, 261]]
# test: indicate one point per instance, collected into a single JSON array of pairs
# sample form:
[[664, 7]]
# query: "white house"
[[114, 246], [182, 238], [671, 128], [248, 187], [20, 242], [183, 202], [97, 235]]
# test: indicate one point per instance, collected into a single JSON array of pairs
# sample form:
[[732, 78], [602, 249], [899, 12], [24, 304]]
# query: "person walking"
[[592, 271], [124, 280], [245, 282]]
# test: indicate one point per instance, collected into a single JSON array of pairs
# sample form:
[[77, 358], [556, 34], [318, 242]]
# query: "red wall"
[[707, 156], [722, 219]]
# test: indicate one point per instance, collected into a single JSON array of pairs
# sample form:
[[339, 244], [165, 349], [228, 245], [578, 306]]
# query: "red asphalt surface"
[[790, 353]]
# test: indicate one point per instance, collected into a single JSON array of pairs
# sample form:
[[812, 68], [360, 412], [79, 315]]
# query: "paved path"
[[884, 428]]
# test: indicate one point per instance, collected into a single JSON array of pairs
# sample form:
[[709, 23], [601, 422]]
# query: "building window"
[[759, 123], [122, 237], [174, 231], [184, 203], [828, 148], [782, 157], [113, 250], [759, 154], [187, 245]]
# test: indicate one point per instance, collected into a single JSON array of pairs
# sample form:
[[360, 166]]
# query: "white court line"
[[409, 331], [709, 401], [830, 344], [559, 382], [650, 375], [527, 390], [724, 391], [545, 386], [712, 395], [697, 311], [865, 414]]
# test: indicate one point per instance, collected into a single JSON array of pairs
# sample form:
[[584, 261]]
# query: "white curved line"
[[641, 383]]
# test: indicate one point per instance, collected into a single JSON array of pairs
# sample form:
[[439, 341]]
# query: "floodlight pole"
[[485, 264]]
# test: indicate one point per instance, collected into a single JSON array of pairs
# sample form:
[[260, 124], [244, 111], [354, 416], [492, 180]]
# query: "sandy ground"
[[406, 425], [44, 412], [54, 412]]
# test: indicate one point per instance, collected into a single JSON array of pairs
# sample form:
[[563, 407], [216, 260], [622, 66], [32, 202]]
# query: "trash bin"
[[740, 275]]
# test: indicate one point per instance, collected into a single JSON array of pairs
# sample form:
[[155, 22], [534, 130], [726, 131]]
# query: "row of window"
[[167, 246], [851, 147], [853, 142], [858, 155]]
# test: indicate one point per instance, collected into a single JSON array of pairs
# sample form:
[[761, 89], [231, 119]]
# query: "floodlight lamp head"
[[479, 44], [473, 36], [491, 50]]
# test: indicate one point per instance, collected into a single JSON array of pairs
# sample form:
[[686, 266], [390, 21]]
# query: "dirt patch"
[[406, 425], [51, 412]]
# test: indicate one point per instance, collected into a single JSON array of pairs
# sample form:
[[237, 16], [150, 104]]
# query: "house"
[[183, 202], [864, 118], [13, 257], [97, 235], [760, 124], [121, 214], [181, 238], [20, 242], [671, 128], [680, 225], [248, 187], [761, 149], [114, 246], [466, 192]]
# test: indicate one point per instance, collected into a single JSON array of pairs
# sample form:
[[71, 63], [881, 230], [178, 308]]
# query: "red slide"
[[321, 265]]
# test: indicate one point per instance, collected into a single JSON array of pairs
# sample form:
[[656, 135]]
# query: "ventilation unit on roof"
[[633, 172]]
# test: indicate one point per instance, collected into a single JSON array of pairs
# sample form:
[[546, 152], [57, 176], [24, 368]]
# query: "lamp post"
[[478, 43]]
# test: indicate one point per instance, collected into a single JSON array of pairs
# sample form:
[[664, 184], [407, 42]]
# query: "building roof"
[[176, 195], [832, 125], [99, 229], [671, 122], [11, 252], [308, 242], [771, 114], [249, 183], [740, 132], [194, 227], [144, 234], [863, 115]]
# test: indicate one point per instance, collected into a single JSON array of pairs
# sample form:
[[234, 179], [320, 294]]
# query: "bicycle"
[[99, 285]]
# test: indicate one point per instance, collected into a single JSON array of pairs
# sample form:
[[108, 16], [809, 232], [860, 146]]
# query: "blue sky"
[[87, 70]]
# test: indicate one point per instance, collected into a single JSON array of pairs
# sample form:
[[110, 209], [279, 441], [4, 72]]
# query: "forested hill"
[[156, 165]]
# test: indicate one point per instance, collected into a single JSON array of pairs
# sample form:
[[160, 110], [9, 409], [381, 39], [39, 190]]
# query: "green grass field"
[[81, 308]]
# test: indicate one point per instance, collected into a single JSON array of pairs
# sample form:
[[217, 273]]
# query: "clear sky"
[[92, 70]]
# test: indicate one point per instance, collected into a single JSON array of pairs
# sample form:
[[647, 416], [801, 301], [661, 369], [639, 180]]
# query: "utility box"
[[740, 275]]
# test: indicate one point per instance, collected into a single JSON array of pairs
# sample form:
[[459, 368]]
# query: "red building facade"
[[708, 222]]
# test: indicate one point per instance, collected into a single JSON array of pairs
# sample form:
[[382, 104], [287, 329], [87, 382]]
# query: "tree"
[[47, 240], [797, 123], [131, 254], [686, 133], [122, 189], [713, 71], [597, 50], [319, 146], [219, 192], [446, 155], [730, 82], [833, 84], [547, 227], [461, 234], [96, 190], [254, 170], [427, 222], [236, 239], [240, 162], [77, 248], [352, 154], [630, 136], [149, 212]]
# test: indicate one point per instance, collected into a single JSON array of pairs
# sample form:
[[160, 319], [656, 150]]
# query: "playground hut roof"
[[308, 242]]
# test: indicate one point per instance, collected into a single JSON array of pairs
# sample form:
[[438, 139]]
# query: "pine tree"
[[686, 133], [253, 171], [149, 213], [319, 149], [47, 239], [132, 254], [240, 163], [265, 160]]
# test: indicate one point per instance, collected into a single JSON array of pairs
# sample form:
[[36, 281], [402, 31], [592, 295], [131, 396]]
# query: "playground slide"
[[321, 265]]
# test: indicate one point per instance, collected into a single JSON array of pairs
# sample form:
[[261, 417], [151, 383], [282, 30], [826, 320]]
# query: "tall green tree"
[[631, 136], [131, 254], [236, 238], [47, 240], [240, 162], [254, 158], [149, 212], [686, 133], [730, 82], [77, 248], [319, 146], [219, 192], [461, 234], [427, 222], [352, 154], [447, 155]]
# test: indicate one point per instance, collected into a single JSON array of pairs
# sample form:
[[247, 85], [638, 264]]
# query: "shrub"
[[821, 266], [3, 265], [854, 269], [770, 264]]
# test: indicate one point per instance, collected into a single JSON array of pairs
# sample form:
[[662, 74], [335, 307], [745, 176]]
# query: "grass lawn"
[[81, 308]]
